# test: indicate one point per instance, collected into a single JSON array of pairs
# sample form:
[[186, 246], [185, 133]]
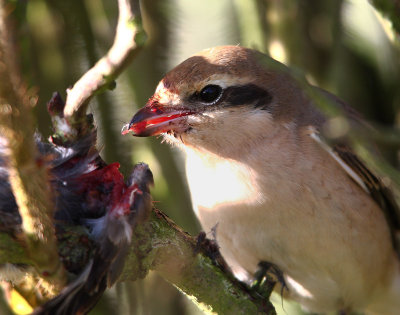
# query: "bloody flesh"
[[140, 126]]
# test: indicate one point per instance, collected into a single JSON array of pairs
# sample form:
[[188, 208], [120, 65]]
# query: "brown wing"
[[376, 188], [360, 173], [368, 181]]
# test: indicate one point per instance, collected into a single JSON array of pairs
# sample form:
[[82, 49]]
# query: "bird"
[[262, 173], [89, 195]]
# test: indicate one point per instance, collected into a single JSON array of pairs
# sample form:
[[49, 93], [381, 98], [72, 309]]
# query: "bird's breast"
[[298, 211]]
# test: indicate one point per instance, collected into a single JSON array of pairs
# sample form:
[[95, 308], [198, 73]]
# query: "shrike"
[[258, 167]]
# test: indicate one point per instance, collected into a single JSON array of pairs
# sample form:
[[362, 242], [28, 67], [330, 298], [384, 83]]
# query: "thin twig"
[[129, 38], [28, 177]]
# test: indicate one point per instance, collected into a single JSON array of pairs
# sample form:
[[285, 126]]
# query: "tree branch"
[[28, 176], [129, 38], [160, 245]]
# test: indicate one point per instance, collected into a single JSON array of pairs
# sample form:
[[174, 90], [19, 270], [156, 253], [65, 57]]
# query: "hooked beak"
[[153, 119]]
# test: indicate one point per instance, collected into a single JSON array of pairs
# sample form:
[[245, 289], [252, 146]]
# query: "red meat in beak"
[[154, 119]]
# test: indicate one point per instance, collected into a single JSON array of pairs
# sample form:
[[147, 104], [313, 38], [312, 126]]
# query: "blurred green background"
[[344, 46]]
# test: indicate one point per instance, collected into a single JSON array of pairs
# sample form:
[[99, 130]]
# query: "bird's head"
[[219, 97]]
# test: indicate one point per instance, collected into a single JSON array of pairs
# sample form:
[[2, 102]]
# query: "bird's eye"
[[210, 94]]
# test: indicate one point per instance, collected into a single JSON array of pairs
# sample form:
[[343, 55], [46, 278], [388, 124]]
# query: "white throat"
[[208, 173]]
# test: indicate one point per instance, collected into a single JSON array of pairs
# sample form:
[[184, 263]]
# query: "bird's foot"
[[266, 277]]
